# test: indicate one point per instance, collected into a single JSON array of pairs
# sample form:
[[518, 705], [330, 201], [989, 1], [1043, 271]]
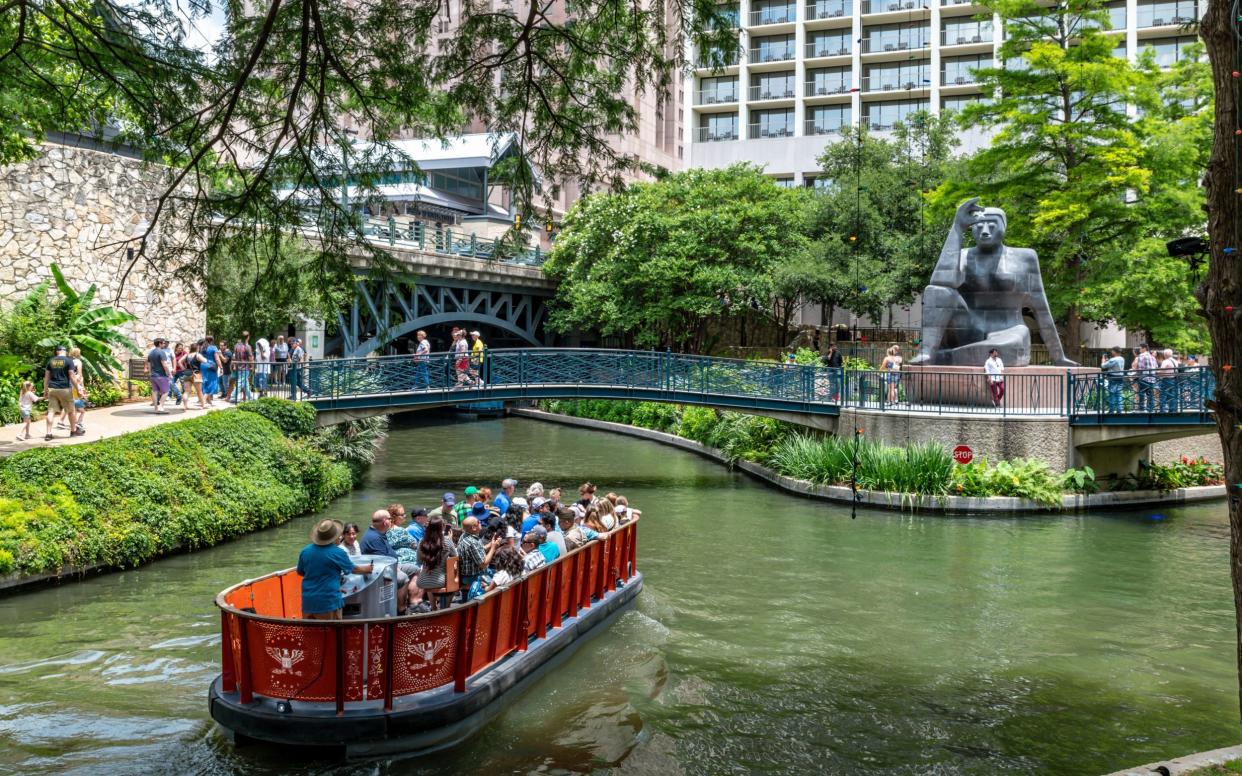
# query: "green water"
[[774, 635]]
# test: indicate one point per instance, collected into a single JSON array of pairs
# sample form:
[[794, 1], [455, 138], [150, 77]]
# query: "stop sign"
[[963, 454]]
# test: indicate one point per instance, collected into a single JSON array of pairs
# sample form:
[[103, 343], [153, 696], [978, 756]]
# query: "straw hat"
[[326, 532]]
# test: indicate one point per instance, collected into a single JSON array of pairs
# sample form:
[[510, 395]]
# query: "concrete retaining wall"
[[883, 500]]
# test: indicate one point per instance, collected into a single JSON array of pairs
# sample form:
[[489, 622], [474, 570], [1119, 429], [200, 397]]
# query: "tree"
[[1066, 159], [1223, 285], [273, 283], [668, 263], [272, 104], [876, 198]]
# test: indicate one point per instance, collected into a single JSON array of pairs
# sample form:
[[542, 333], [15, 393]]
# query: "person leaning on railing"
[[1168, 382], [321, 564], [1112, 369]]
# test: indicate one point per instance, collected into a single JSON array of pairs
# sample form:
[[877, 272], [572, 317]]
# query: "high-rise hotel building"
[[807, 69]]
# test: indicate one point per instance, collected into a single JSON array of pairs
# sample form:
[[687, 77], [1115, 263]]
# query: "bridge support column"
[[1110, 460]]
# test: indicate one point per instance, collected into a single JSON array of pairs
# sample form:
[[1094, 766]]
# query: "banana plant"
[[93, 329]]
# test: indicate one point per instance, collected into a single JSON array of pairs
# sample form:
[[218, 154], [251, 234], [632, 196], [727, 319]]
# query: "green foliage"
[[668, 263], [921, 469], [697, 423], [1186, 473], [103, 393], [1079, 480], [654, 415], [1094, 191], [876, 196], [354, 443], [295, 420], [12, 373], [184, 485], [1021, 478]]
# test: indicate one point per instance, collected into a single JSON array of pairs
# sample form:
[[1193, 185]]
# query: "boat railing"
[[267, 650]]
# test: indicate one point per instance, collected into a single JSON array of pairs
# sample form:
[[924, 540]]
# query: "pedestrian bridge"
[[1132, 407]]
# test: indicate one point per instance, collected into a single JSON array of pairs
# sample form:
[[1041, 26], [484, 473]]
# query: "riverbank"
[[887, 500], [1197, 764], [120, 502]]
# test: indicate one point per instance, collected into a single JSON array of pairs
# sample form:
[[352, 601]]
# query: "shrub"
[[295, 420], [354, 443], [1079, 480], [127, 499], [697, 423], [103, 392], [1021, 478], [1186, 473], [650, 414]]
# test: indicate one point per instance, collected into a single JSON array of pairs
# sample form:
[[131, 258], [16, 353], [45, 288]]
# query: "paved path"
[[100, 423]]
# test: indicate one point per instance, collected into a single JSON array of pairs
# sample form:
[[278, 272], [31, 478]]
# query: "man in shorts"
[[59, 380], [160, 369]]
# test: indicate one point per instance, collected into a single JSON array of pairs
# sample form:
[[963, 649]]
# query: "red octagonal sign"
[[963, 454]]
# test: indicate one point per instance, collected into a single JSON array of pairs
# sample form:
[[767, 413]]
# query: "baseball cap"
[[475, 334], [519, 502], [537, 503], [449, 499], [472, 491], [418, 512]]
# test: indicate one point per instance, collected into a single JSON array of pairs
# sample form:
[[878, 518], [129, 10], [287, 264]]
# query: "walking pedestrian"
[[461, 358], [243, 364], [58, 384], [1112, 368], [835, 363], [1145, 367], [892, 372], [995, 370], [160, 369], [262, 365], [209, 369], [280, 357], [1168, 383], [477, 349], [25, 404], [226, 370], [422, 355]]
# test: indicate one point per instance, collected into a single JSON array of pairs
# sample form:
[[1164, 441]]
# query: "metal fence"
[[1161, 395], [418, 235]]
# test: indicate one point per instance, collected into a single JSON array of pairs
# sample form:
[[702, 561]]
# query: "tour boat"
[[373, 685]]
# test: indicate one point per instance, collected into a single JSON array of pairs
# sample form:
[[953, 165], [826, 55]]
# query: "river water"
[[774, 635]]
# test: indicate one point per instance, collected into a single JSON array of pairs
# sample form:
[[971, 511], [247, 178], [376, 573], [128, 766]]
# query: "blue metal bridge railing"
[[1149, 397]]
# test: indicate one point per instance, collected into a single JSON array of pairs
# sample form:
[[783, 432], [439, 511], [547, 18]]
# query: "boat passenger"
[[607, 513], [349, 539], [433, 552], [508, 566], [474, 556], [554, 496], [623, 511], [507, 486], [418, 526], [575, 535], [534, 491], [401, 542], [375, 542], [532, 558], [586, 491], [321, 564], [548, 549], [445, 510], [462, 510], [531, 519], [549, 524], [593, 521]]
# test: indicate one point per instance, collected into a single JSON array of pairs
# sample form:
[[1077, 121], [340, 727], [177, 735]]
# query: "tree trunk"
[[1223, 285], [1072, 343]]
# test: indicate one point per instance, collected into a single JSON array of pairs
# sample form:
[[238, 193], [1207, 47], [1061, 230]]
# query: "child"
[[26, 403]]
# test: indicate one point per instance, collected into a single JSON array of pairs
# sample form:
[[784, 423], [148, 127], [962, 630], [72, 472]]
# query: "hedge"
[[179, 486]]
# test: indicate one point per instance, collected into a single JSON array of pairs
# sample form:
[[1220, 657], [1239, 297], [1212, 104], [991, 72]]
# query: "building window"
[[961, 70], [713, 91], [896, 37], [828, 80], [716, 126], [833, 43], [959, 101], [772, 48], [784, 182], [828, 9], [771, 123], [772, 86], [1168, 51], [965, 30], [772, 12], [1163, 13], [826, 119], [731, 14], [883, 115], [896, 75]]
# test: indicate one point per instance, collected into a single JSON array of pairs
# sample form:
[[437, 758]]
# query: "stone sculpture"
[[978, 296]]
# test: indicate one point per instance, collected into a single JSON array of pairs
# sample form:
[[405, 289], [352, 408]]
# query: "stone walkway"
[[100, 424]]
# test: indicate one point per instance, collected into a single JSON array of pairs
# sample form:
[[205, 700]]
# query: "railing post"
[[421, 234], [390, 640], [228, 682], [392, 230], [465, 647], [245, 687], [474, 245], [340, 669]]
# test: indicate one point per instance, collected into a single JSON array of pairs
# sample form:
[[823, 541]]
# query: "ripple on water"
[[81, 657]]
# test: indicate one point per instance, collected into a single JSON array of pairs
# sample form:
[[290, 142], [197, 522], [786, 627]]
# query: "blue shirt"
[[321, 567], [209, 353], [588, 533], [375, 543], [502, 503], [530, 523], [416, 531], [549, 551]]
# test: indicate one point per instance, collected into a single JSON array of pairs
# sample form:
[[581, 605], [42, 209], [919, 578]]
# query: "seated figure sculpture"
[[977, 297]]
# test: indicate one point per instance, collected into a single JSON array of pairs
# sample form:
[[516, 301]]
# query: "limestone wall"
[[1172, 450], [66, 207]]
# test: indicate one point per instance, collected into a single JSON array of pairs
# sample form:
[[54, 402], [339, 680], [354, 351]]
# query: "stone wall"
[[1172, 450], [69, 207]]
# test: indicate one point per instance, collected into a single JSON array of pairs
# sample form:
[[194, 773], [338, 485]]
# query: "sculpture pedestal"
[[1035, 389]]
